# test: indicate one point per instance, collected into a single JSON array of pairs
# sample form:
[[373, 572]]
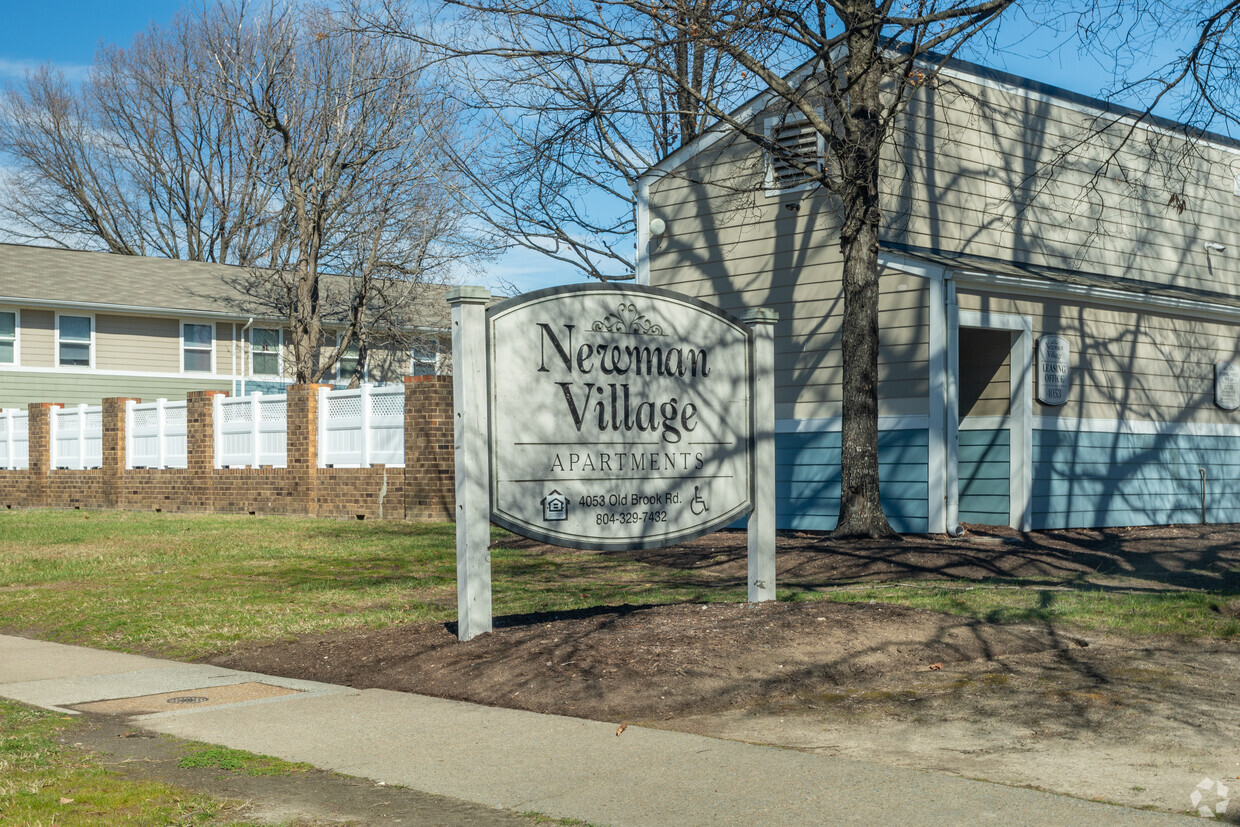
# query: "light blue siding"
[[985, 468], [1091, 479], [807, 479]]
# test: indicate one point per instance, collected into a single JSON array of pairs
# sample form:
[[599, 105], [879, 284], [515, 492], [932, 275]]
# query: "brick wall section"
[[303, 446], [113, 468], [200, 449], [423, 489], [430, 485], [161, 489], [40, 432], [75, 489], [365, 493]]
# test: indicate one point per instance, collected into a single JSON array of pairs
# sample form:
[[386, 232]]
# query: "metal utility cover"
[[186, 699]]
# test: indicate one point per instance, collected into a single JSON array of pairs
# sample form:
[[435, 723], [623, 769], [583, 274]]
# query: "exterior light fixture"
[[657, 226]]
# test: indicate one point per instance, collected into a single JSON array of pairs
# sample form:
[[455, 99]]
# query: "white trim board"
[[1020, 419], [1022, 285], [79, 371], [835, 423], [1132, 426], [985, 423]]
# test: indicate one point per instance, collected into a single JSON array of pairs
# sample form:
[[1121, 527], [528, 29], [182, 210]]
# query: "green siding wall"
[[17, 389]]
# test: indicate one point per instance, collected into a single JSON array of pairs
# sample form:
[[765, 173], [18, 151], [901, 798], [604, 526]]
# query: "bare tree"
[[350, 156], [568, 119], [1198, 85], [273, 138], [140, 160], [845, 67]]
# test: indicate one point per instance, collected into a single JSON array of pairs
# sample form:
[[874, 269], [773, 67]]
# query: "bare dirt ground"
[[1138, 722]]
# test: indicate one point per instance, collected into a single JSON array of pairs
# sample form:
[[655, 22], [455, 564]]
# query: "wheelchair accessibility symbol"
[[698, 505]]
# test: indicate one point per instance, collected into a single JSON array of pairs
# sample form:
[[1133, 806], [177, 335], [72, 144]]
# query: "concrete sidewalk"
[[521, 761]]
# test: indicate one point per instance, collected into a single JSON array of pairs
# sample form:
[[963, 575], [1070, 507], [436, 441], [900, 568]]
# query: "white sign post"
[[617, 418], [469, 393], [762, 520]]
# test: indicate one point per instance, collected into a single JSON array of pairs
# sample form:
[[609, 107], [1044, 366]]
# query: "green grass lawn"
[[43, 781], [185, 586], [1187, 613]]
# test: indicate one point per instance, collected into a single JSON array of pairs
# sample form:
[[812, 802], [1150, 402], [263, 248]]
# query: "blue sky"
[[67, 32]]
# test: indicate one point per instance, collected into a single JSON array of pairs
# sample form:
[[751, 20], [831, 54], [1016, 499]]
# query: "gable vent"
[[798, 140]]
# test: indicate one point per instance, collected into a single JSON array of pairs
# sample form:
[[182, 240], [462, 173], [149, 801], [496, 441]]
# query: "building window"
[[8, 337], [265, 351], [197, 347], [74, 340], [347, 363], [797, 141], [425, 358]]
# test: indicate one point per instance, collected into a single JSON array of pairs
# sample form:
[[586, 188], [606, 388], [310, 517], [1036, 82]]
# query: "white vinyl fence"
[[76, 437], [362, 427], [251, 431], [14, 439], [156, 434]]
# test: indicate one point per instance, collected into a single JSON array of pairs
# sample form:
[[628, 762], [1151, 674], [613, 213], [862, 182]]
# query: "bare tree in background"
[[844, 67], [273, 138], [142, 159], [570, 119]]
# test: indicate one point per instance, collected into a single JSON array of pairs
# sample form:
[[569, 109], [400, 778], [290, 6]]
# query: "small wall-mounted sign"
[[1227, 385], [1054, 377]]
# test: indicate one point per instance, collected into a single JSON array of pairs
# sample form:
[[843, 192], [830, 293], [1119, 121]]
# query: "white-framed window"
[[425, 358], [347, 363], [798, 140], [10, 320], [266, 351], [197, 347], [75, 341]]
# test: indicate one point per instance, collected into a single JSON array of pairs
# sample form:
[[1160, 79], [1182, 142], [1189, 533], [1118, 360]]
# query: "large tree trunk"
[[861, 513]]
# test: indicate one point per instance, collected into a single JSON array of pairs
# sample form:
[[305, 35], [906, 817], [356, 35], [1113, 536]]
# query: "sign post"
[[762, 520], [470, 426]]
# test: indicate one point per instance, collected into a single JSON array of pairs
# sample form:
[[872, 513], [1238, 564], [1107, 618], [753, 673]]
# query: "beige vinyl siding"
[[985, 372], [37, 333], [18, 389], [963, 172], [224, 348], [135, 343], [1128, 364], [992, 173], [764, 255]]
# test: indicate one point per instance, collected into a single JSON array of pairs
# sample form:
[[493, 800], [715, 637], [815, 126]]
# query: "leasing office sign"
[[620, 417]]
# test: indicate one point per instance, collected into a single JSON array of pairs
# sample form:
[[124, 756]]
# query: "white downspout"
[[242, 345], [641, 215]]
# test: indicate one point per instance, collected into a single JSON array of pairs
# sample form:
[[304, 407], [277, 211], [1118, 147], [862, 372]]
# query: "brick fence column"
[[430, 486], [200, 448], [40, 446], [303, 445], [114, 458]]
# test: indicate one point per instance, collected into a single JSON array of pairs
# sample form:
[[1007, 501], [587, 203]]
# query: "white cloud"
[[17, 69]]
